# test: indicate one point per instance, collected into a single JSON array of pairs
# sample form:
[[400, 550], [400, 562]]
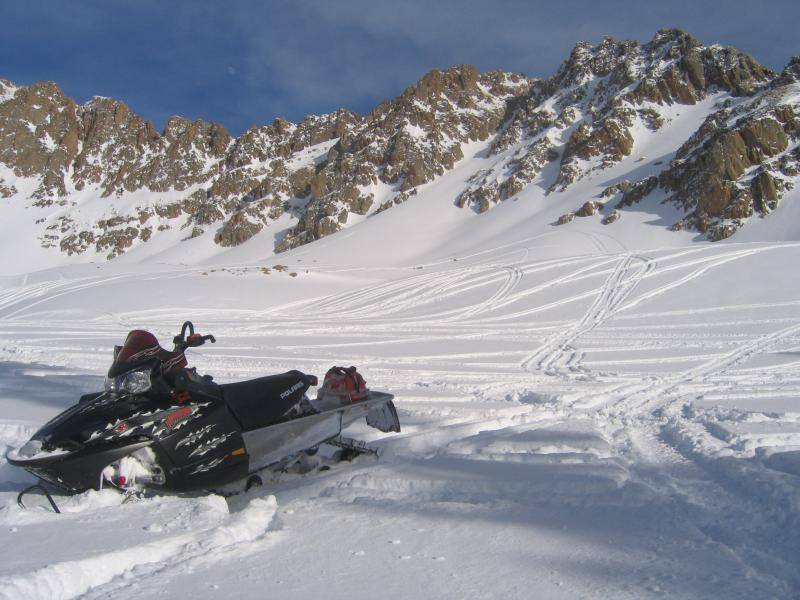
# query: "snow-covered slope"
[[587, 411]]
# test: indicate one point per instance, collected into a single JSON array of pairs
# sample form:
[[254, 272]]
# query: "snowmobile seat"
[[260, 402]]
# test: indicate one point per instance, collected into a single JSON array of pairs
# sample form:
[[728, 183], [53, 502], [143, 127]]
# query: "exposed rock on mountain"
[[321, 170], [739, 162], [587, 113], [589, 208], [114, 182], [405, 143]]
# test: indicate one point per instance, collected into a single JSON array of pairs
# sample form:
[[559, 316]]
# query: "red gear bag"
[[344, 382]]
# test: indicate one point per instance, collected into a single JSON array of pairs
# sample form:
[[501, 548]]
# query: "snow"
[[7, 91], [415, 131], [49, 143], [212, 532], [311, 155], [588, 410]]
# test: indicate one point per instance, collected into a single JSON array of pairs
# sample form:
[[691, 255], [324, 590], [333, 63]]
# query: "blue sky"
[[246, 62]]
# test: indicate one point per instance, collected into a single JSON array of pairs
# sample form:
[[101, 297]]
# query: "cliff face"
[[314, 176], [737, 164]]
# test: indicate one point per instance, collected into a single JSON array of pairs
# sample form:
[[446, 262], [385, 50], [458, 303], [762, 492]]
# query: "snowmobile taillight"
[[121, 480]]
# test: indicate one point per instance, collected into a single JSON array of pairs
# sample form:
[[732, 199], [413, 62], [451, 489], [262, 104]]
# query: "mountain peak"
[[791, 72], [674, 37], [460, 78]]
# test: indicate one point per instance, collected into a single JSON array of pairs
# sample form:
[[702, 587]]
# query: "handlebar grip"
[[196, 339]]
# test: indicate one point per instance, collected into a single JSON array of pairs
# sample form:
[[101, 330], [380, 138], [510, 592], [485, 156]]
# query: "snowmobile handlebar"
[[198, 340], [182, 341]]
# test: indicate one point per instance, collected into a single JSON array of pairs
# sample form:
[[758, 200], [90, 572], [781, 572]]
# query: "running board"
[[271, 444]]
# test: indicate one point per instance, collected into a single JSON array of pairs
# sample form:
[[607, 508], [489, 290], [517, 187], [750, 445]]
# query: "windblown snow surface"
[[588, 411]]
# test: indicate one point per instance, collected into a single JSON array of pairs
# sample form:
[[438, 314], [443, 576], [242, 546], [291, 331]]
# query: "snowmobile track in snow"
[[487, 421], [615, 290]]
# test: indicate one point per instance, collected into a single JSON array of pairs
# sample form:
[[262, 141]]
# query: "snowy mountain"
[[596, 400], [98, 180]]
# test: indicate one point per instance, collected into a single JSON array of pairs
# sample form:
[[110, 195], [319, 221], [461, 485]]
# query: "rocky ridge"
[[584, 119], [313, 177], [199, 178]]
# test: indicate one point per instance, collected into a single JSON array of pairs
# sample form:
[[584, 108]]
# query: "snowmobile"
[[159, 425]]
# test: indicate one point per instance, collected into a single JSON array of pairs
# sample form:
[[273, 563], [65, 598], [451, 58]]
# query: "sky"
[[247, 62]]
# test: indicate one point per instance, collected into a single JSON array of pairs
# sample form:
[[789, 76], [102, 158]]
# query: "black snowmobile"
[[160, 425]]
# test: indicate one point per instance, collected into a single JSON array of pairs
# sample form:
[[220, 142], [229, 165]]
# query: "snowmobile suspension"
[[352, 445]]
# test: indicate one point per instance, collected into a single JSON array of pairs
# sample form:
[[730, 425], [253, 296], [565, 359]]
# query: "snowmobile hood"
[[85, 421]]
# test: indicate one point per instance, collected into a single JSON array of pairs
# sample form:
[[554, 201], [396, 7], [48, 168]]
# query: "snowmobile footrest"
[[37, 486]]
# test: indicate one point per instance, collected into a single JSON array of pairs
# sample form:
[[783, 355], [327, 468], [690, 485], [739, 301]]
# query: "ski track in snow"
[[522, 385]]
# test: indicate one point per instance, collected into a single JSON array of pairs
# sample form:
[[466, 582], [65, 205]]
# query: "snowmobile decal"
[[195, 436], [172, 421], [207, 466], [174, 362], [292, 390], [173, 418], [147, 352], [155, 423], [101, 400], [182, 397], [210, 445]]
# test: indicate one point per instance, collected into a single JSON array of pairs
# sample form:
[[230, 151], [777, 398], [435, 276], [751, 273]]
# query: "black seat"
[[260, 402]]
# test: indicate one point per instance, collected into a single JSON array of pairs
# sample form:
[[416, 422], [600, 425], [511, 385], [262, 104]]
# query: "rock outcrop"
[[737, 164], [586, 114]]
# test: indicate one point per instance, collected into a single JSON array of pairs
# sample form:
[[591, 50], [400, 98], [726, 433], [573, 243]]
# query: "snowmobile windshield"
[[138, 347], [136, 358], [140, 350]]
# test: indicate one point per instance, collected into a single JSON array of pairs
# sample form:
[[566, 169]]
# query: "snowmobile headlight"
[[132, 382]]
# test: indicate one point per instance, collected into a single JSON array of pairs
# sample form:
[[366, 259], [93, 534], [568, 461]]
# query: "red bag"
[[345, 383]]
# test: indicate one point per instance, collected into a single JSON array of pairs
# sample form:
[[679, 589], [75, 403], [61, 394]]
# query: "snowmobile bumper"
[[77, 470]]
